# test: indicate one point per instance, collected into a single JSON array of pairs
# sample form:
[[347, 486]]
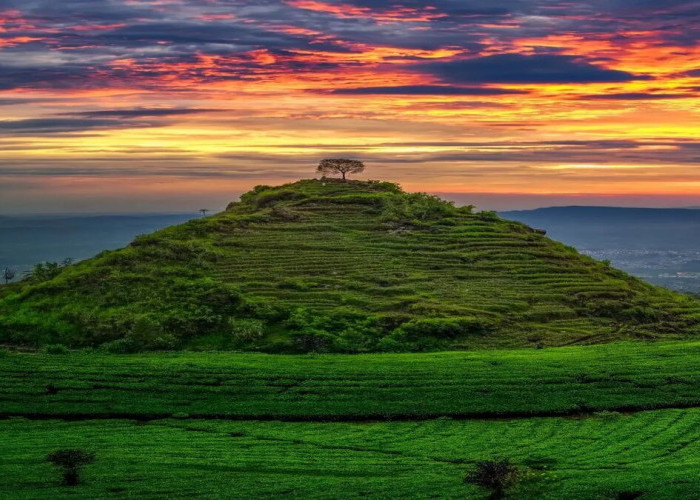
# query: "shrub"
[[164, 342], [46, 271], [144, 331], [416, 207], [56, 349], [250, 196], [296, 284], [488, 215], [286, 214], [445, 327], [495, 475], [312, 342], [629, 495], [247, 330], [268, 198], [143, 240], [71, 462], [120, 346]]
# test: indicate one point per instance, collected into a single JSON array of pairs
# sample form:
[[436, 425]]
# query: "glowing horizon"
[[162, 104]]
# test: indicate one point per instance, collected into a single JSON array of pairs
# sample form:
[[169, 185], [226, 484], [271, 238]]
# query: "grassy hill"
[[340, 267]]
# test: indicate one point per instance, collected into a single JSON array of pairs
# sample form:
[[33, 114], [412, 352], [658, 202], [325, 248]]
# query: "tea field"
[[522, 382], [598, 457], [594, 422]]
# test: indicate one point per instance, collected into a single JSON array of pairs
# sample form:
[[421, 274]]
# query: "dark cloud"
[[599, 152], [141, 112], [633, 96], [155, 35], [46, 126], [10, 101], [428, 90], [45, 76], [525, 69]]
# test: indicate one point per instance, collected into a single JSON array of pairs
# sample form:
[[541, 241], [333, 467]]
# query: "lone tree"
[[340, 166], [495, 475], [8, 275], [71, 461], [204, 211]]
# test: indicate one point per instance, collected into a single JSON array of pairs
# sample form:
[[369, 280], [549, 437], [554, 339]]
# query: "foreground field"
[[657, 453], [562, 381], [230, 425]]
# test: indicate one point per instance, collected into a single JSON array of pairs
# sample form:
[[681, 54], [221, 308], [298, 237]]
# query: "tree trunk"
[[343, 175], [70, 477]]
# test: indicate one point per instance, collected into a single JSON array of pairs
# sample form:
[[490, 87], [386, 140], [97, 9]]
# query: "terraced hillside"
[[340, 266]]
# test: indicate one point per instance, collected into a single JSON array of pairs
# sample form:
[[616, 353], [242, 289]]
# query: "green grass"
[[583, 422], [656, 452], [341, 267], [348, 267], [625, 376]]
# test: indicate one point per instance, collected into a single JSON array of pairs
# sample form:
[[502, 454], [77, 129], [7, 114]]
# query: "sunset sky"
[[175, 105]]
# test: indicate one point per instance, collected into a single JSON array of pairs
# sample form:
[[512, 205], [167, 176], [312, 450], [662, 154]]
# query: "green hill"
[[341, 267]]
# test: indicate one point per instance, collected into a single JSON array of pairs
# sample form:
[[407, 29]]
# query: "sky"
[[175, 105]]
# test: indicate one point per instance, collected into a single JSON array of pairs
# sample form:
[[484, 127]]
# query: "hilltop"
[[324, 265]]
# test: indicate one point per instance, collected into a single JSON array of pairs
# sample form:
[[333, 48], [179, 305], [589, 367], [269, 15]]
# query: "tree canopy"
[[340, 166]]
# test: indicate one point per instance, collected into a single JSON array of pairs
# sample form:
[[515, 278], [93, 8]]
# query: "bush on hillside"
[[250, 197], [267, 198], [46, 271], [246, 330], [120, 346], [432, 333], [56, 349], [313, 341], [446, 327], [346, 331], [416, 207], [487, 215]]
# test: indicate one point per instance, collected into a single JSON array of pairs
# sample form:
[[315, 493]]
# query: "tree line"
[[40, 272]]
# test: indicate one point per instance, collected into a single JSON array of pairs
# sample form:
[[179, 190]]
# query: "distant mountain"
[[319, 266], [612, 227], [28, 240], [659, 245]]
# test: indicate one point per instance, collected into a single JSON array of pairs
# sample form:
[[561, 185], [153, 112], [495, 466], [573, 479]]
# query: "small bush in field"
[[71, 462], [495, 475]]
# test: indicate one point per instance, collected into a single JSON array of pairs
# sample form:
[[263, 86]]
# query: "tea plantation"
[[491, 383], [332, 340], [342, 426]]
